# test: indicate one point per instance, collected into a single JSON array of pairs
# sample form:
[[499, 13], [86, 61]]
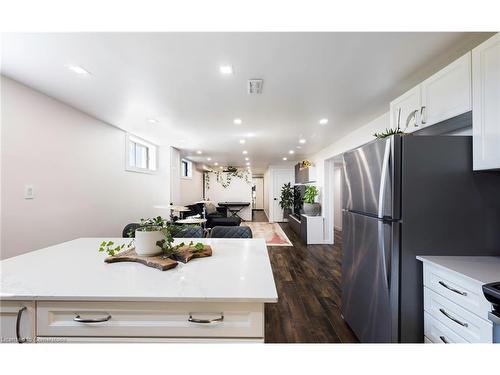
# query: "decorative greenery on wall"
[[224, 177]]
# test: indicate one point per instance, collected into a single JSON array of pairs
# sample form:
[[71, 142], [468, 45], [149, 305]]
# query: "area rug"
[[271, 232]]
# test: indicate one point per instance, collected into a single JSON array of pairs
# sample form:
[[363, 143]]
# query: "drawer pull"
[[18, 325], [443, 311], [452, 289], [443, 339], [206, 321], [78, 319]]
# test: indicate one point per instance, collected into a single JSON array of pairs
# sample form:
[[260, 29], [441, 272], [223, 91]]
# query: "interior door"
[[366, 273], [280, 178]]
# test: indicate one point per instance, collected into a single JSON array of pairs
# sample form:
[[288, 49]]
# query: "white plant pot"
[[145, 242]]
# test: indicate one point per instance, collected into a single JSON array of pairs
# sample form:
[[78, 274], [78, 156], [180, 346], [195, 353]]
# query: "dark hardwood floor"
[[308, 283]]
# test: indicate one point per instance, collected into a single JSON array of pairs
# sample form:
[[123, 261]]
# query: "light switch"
[[29, 192]]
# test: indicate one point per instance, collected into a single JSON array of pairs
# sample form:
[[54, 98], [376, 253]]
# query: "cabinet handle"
[[399, 117], [205, 321], [452, 289], [443, 311], [422, 111], [443, 339], [412, 115], [78, 319], [18, 325]]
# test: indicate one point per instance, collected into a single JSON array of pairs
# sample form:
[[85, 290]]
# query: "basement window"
[[141, 155], [186, 169]]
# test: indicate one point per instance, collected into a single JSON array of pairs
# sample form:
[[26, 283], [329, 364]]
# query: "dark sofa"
[[218, 218]]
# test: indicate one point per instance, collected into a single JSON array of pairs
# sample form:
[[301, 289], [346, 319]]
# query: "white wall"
[[76, 164], [266, 193], [238, 191], [192, 188], [337, 198]]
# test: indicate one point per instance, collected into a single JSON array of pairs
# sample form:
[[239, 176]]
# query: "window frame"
[[189, 164], [151, 155]]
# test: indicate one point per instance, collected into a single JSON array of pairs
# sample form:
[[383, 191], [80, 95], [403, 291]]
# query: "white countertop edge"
[[423, 260], [136, 299]]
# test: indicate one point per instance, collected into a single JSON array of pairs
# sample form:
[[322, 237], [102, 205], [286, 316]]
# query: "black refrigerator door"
[[366, 277], [368, 179]]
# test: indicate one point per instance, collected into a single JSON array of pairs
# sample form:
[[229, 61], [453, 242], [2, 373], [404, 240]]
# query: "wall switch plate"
[[29, 192]]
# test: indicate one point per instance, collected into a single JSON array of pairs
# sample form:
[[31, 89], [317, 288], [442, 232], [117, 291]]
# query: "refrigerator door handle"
[[384, 178], [381, 240]]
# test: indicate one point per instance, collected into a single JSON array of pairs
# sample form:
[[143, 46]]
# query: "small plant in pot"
[[311, 208], [286, 199], [148, 234]]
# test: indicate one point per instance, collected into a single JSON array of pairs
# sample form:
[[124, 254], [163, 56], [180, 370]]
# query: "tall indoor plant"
[[286, 199], [311, 207]]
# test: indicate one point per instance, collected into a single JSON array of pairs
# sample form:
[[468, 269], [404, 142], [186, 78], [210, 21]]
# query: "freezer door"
[[366, 277], [368, 179]]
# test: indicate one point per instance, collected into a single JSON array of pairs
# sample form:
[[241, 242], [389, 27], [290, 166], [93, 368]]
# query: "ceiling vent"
[[255, 86]]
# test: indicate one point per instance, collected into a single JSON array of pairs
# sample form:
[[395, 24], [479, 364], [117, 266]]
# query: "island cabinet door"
[[150, 319], [17, 321]]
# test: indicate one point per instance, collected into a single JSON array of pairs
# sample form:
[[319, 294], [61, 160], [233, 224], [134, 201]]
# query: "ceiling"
[[174, 79]]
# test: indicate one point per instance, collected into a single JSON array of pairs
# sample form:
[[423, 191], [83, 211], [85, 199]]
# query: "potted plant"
[[286, 199], [148, 235], [311, 207]]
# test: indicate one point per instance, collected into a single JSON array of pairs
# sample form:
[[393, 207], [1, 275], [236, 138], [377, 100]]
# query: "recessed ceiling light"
[[198, 152], [247, 159], [291, 152], [79, 70], [302, 141], [153, 121], [244, 152], [284, 158], [226, 69], [323, 121], [209, 158], [250, 135], [221, 167], [216, 163], [242, 141], [248, 163], [237, 121]]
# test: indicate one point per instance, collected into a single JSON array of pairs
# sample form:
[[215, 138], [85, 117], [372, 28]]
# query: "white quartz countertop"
[[483, 270], [238, 271]]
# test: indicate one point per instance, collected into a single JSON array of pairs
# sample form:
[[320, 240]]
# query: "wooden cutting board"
[[184, 255]]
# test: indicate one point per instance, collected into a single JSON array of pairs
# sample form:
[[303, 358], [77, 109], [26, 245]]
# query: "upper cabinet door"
[[447, 93], [405, 110], [486, 104]]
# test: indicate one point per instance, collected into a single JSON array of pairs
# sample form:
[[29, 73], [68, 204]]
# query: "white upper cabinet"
[[447, 93], [406, 109], [444, 95], [486, 104]]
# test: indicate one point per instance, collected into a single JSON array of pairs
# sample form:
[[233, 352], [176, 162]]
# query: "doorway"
[[258, 193]]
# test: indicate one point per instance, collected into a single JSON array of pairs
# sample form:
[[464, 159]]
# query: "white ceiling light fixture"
[[216, 163], [199, 152], [221, 167], [226, 70], [248, 163], [153, 121], [242, 141], [302, 141], [237, 121], [209, 158], [323, 121], [79, 70], [247, 159], [291, 152], [284, 158], [244, 152]]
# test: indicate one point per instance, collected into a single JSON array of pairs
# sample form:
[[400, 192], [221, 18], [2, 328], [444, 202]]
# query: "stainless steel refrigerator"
[[403, 197]]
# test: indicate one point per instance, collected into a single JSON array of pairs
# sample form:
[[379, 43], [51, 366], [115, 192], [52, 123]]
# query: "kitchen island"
[[67, 293]]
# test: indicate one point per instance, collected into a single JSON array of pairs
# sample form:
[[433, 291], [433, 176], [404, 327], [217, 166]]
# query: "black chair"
[[186, 231], [231, 232], [130, 228]]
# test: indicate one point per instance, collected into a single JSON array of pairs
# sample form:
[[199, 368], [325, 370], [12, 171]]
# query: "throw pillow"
[[210, 208]]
